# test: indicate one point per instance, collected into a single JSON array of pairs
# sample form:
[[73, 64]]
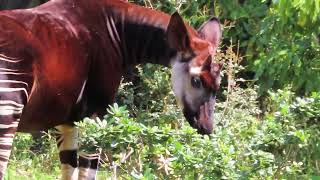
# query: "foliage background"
[[267, 114]]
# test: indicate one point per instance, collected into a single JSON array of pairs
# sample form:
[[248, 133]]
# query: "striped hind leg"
[[10, 112], [88, 166], [67, 137]]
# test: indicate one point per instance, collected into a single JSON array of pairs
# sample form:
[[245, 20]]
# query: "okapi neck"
[[142, 33]]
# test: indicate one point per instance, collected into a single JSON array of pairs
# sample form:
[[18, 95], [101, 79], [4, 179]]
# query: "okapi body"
[[63, 61]]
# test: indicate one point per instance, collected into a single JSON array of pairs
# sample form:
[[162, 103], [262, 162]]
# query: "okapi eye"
[[196, 82]]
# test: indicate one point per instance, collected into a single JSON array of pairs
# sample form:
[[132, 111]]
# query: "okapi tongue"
[[205, 120]]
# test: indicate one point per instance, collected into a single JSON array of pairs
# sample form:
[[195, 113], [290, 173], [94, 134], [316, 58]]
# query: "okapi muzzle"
[[202, 119]]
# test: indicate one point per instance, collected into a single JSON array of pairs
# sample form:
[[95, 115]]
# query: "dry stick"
[[139, 163], [229, 74], [124, 159], [232, 60], [114, 168], [150, 4], [145, 3], [283, 164]]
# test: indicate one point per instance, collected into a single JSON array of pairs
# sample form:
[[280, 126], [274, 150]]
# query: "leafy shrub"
[[279, 40], [246, 144], [41, 162], [150, 98]]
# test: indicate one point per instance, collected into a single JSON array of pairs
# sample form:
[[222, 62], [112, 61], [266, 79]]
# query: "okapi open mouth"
[[202, 120]]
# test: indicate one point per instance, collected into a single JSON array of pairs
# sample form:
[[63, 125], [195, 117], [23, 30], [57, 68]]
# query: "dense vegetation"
[[267, 115]]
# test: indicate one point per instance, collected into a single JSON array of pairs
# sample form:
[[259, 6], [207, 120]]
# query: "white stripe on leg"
[[68, 137], [8, 127], [67, 144], [68, 172], [87, 173], [88, 166]]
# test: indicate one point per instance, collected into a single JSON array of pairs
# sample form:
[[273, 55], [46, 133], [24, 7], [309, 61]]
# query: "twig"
[[123, 160]]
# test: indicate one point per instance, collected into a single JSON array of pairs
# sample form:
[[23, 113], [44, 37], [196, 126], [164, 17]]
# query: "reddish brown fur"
[[69, 56], [68, 43], [203, 50]]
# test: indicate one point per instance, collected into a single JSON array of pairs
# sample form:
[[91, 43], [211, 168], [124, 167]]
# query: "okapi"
[[63, 61]]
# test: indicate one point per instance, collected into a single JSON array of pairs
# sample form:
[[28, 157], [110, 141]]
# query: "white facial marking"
[[178, 79], [182, 88], [195, 71]]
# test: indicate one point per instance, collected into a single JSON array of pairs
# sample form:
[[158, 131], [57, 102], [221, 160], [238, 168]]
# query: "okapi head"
[[195, 77]]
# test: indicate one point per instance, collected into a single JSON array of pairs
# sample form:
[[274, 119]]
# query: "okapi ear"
[[177, 34], [211, 31]]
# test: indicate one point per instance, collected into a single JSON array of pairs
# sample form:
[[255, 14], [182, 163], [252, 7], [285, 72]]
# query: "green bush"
[[282, 144], [247, 143], [279, 40], [41, 162]]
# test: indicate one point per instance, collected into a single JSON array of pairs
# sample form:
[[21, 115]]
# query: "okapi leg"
[[88, 166], [67, 143], [10, 112]]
